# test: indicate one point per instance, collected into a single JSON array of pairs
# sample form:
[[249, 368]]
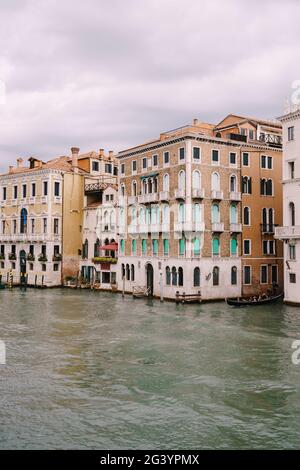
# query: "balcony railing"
[[189, 227], [235, 196], [179, 193], [164, 195], [148, 198], [272, 139], [268, 228], [286, 233], [27, 237], [235, 228], [216, 195], [198, 193], [132, 200], [217, 227]]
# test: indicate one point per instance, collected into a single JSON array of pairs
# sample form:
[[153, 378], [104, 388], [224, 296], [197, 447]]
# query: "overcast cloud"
[[114, 73]]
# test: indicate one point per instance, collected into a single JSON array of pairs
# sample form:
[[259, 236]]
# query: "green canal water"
[[93, 370]]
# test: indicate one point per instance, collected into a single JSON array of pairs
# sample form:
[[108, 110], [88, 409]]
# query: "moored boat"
[[240, 302]]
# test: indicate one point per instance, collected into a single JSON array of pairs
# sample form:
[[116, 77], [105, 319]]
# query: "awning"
[[109, 247], [150, 175]]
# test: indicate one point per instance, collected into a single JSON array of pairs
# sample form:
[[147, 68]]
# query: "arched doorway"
[[149, 277], [22, 266]]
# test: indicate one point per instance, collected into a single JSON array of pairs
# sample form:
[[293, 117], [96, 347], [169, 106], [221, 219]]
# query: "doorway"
[[150, 278]]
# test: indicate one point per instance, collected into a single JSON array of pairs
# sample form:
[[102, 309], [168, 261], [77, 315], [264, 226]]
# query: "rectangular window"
[[264, 274], [166, 158], [292, 278], [33, 189], [270, 163], [45, 188], [247, 247], [144, 163], [44, 225], [263, 161], [291, 167], [15, 192], [292, 252], [31, 250], [56, 250], [243, 131], [181, 153], [215, 156], [133, 166], [32, 225], [196, 154], [155, 247], [44, 250], [122, 168], [245, 159], [56, 188], [251, 134], [275, 273], [291, 133], [95, 166], [154, 160], [56, 226], [2, 250], [4, 194], [232, 158], [24, 190], [247, 275], [108, 168], [14, 226], [55, 266]]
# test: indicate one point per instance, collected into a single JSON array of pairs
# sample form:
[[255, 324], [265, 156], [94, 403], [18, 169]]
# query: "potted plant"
[[43, 258], [12, 256]]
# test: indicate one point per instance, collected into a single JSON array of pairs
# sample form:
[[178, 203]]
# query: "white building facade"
[[289, 233]]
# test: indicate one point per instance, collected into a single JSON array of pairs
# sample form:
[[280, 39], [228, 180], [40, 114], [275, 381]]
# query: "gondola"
[[253, 303]]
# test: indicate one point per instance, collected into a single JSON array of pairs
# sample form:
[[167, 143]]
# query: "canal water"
[[92, 370]]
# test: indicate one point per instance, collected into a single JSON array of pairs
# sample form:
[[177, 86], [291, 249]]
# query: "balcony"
[[267, 228], [287, 233], [57, 257], [133, 229], [165, 228], [143, 228], [32, 200], [216, 195], [198, 193], [179, 193], [57, 199], [235, 196], [148, 198], [189, 227], [217, 227], [43, 258], [238, 137], [235, 228], [155, 228], [273, 140], [132, 200], [44, 199], [164, 195]]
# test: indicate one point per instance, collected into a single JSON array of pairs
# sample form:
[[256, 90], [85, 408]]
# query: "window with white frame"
[[247, 247]]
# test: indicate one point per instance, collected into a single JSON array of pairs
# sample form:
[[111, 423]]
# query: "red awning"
[[109, 247]]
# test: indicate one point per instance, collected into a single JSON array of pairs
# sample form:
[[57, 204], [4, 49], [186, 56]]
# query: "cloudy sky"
[[113, 73]]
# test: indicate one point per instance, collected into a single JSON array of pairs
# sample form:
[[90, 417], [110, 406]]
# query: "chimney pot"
[[111, 153], [20, 162], [101, 152], [75, 152], [195, 121]]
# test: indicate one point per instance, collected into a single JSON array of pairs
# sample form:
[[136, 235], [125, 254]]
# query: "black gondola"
[[247, 302]]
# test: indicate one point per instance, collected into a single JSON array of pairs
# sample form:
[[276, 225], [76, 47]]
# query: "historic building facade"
[[179, 215], [289, 232], [99, 241]]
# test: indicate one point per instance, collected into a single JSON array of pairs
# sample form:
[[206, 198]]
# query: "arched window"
[[233, 214], [234, 276], [215, 214], [123, 270], [168, 276], [269, 187], [196, 213], [133, 247], [154, 215], [215, 181], [96, 248], [233, 246], [85, 249], [122, 246], [271, 220], [196, 247], [196, 277], [181, 247], [166, 247], [142, 216], [155, 247], [127, 272], [148, 215], [145, 186], [246, 185], [166, 214], [174, 276], [196, 179], [246, 216], [122, 219], [23, 221], [181, 180], [166, 182], [155, 185], [292, 214], [132, 272], [180, 276], [134, 188], [122, 190], [181, 212], [215, 246], [232, 183], [216, 275], [133, 216], [144, 247]]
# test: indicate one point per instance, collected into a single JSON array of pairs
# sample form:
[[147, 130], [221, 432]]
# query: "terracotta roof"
[[59, 163], [241, 119]]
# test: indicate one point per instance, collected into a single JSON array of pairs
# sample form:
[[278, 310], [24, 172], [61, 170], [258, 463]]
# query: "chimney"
[[101, 153], [111, 154], [75, 152], [20, 162], [10, 169], [195, 122]]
